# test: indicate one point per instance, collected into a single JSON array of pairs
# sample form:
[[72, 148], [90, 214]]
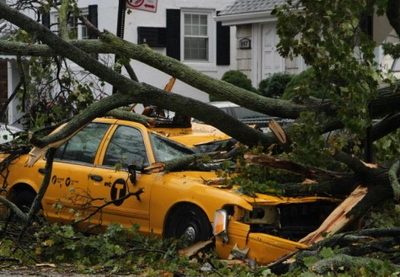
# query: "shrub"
[[237, 78], [274, 86], [303, 85]]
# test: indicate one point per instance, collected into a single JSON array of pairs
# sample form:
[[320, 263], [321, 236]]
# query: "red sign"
[[144, 5]]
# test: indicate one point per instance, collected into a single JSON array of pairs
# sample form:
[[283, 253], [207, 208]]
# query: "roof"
[[251, 6], [248, 12], [7, 58]]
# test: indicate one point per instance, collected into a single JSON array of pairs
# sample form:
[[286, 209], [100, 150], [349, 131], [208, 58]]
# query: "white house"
[[210, 36], [183, 29], [256, 39]]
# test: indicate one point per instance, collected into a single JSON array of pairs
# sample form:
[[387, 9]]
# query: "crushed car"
[[256, 119], [109, 172], [200, 137]]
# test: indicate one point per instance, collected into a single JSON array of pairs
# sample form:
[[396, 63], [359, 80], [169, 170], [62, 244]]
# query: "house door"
[[272, 62]]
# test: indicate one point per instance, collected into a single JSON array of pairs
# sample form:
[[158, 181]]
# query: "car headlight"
[[220, 224]]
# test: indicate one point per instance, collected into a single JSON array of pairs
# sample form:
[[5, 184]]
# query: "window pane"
[[196, 31], [84, 29], [85, 32], [188, 30], [195, 19], [126, 147], [196, 37], [203, 30], [203, 19], [196, 48], [82, 147], [188, 19]]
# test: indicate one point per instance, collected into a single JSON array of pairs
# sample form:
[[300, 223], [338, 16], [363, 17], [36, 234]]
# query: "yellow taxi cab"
[[199, 137], [101, 175]]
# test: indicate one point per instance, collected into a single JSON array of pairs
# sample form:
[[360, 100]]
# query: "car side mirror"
[[132, 173]]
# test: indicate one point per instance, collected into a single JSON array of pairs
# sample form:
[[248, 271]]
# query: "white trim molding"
[[239, 19]]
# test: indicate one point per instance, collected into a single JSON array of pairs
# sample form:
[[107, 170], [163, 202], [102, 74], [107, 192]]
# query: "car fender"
[[182, 187], [22, 176]]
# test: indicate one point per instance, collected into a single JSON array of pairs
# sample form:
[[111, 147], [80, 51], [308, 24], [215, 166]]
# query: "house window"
[[196, 37], [198, 42], [76, 29], [192, 36]]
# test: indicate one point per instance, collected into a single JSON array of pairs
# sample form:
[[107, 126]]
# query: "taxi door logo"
[[118, 190]]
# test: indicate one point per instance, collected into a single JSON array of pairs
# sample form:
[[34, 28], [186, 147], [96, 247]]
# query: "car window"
[[165, 150], [82, 147], [243, 113], [126, 147], [227, 110]]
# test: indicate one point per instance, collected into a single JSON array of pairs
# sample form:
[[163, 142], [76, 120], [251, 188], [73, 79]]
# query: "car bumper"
[[263, 248]]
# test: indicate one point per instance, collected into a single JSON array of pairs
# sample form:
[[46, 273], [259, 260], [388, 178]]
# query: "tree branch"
[[139, 92], [107, 203]]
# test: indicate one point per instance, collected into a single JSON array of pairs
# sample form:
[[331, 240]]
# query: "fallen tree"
[[378, 184]]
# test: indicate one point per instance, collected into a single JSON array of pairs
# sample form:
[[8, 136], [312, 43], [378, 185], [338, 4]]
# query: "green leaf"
[[327, 252], [310, 261]]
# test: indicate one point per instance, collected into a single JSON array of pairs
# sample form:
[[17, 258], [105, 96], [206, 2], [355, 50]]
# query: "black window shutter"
[[152, 36], [366, 25], [174, 33], [223, 44], [93, 18], [46, 20]]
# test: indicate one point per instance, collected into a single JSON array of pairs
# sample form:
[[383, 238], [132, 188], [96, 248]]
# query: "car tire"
[[190, 224]]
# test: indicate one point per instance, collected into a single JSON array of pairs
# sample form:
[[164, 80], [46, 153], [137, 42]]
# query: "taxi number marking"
[[58, 180], [63, 181]]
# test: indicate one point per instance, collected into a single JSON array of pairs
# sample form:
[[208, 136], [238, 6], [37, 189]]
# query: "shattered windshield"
[[165, 149]]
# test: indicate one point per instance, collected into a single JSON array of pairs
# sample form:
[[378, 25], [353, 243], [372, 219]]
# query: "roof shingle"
[[251, 6]]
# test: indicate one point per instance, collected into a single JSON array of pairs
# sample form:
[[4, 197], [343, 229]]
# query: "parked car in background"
[[111, 164], [247, 116]]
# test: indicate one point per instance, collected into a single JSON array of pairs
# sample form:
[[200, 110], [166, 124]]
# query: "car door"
[[111, 183], [68, 196]]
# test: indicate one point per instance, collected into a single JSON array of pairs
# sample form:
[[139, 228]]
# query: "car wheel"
[[189, 223], [24, 200]]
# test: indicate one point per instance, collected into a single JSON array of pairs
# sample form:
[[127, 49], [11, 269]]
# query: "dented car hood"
[[211, 180], [197, 134]]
